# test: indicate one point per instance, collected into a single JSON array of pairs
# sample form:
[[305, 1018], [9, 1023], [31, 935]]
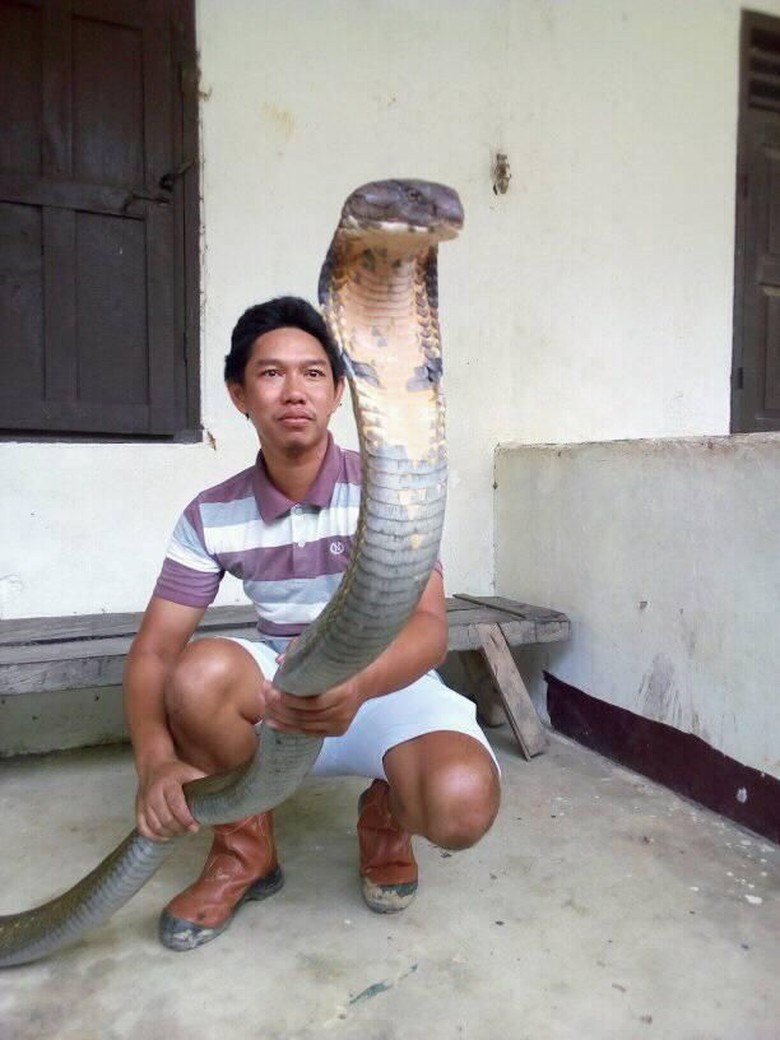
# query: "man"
[[284, 527]]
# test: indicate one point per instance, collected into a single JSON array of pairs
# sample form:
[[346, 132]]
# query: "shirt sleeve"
[[190, 575]]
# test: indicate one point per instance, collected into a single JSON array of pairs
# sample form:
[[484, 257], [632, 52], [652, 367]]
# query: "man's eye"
[[269, 372], [316, 373]]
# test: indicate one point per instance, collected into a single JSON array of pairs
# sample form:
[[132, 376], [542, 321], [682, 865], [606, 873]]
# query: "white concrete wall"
[[666, 556], [591, 301]]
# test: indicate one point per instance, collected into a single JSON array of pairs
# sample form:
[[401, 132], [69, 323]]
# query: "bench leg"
[[512, 690], [490, 710]]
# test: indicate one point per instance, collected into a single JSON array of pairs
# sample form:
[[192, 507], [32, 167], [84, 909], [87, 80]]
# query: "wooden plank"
[[522, 623], [472, 615], [21, 314], [98, 626], [72, 195], [460, 614], [462, 627], [23, 631], [516, 631], [512, 691], [65, 674], [511, 606], [490, 710], [40, 661], [72, 650], [77, 663], [61, 652], [61, 358]]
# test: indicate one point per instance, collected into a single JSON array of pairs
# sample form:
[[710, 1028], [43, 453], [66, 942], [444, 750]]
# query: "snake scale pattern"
[[378, 294]]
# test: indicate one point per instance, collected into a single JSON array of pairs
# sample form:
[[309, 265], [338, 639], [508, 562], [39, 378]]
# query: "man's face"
[[288, 391]]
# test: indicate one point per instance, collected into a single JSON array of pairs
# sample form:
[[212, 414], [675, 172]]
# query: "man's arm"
[[420, 646], [161, 809]]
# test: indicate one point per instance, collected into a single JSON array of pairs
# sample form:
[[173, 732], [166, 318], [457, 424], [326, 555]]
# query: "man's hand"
[[420, 646], [328, 714], [160, 805]]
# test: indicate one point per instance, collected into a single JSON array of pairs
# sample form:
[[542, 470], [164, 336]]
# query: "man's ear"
[[237, 396], [339, 393]]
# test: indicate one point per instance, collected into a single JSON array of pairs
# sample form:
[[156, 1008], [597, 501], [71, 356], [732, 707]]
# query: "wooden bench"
[[60, 678]]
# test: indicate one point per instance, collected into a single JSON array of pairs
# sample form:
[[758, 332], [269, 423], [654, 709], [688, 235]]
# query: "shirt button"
[[301, 545], [297, 510]]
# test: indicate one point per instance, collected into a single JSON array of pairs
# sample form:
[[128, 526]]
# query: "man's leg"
[[443, 785], [212, 701], [436, 776]]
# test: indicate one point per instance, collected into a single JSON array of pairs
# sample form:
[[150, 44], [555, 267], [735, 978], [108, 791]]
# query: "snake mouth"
[[403, 207], [403, 236]]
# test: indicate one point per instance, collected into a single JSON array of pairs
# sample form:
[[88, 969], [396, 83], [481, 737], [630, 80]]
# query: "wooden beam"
[[522, 622], [512, 690], [490, 709], [58, 653]]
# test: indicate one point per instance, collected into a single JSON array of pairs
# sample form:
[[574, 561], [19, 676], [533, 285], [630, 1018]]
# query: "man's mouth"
[[294, 420]]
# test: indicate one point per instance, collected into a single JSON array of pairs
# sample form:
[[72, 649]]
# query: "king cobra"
[[378, 294]]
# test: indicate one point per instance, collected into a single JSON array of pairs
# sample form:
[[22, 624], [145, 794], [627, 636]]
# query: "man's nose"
[[294, 386]]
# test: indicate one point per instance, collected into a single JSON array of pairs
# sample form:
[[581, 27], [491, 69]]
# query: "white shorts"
[[382, 722]]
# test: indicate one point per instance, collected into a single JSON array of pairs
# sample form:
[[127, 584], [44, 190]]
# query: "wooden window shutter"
[[756, 374], [91, 330]]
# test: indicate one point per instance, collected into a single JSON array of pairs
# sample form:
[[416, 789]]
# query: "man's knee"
[[460, 805], [201, 674], [212, 700]]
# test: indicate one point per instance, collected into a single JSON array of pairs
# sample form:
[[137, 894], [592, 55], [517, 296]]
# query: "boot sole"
[[388, 899], [180, 935]]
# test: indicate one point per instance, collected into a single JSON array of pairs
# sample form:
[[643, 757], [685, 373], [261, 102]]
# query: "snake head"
[[392, 218], [403, 206]]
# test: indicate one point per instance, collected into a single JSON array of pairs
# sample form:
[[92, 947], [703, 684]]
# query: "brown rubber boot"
[[241, 865], [387, 865]]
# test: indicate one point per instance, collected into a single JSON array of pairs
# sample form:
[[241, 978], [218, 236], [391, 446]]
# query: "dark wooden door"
[[761, 301], [756, 377], [93, 295]]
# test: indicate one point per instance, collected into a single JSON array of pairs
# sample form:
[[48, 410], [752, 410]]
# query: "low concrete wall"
[[57, 720], [665, 554]]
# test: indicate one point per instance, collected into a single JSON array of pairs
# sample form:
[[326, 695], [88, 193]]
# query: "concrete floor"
[[600, 906]]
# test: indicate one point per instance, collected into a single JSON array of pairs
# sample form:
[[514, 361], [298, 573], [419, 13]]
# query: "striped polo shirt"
[[290, 556]]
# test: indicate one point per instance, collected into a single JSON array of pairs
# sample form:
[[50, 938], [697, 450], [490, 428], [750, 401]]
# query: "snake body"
[[378, 293]]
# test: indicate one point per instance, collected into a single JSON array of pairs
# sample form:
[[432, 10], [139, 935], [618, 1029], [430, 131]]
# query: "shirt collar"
[[273, 503]]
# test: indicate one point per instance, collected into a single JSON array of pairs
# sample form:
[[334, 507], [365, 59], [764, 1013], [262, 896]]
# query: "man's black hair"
[[284, 312]]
